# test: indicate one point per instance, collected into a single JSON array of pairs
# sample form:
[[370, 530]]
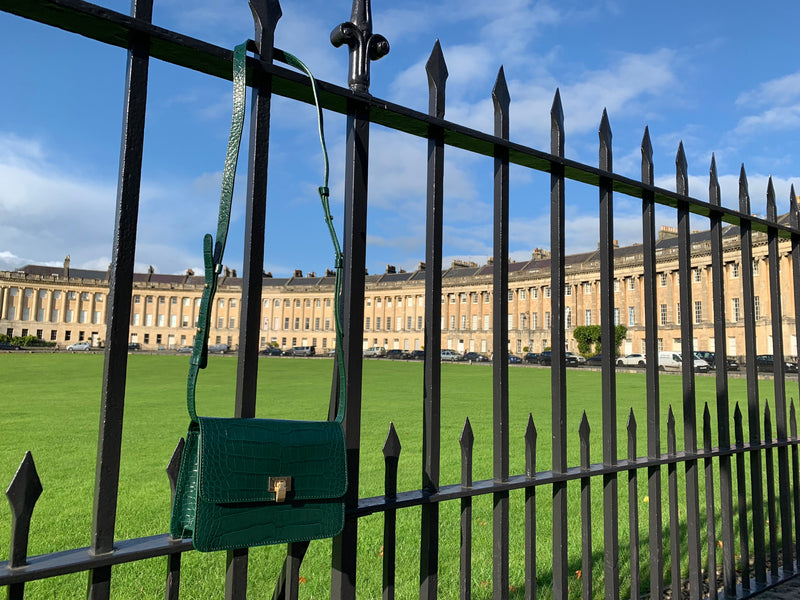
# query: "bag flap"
[[239, 456]]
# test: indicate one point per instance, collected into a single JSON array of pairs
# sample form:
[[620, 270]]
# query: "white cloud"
[[781, 91]]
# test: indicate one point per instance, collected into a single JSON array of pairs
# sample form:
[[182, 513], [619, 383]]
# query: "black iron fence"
[[735, 472]]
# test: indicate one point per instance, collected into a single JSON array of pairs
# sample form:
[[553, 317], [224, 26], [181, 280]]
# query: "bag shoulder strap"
[[213, 251]]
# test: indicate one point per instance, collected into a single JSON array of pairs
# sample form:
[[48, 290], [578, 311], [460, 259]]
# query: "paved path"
[[785, 591]]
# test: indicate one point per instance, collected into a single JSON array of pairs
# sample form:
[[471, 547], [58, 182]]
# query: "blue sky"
[[722, 77]]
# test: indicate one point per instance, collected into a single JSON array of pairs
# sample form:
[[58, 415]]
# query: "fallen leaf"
[[646, 499], [578, 574], [380, 552], [301, 579], [484, 584], [511, 588]]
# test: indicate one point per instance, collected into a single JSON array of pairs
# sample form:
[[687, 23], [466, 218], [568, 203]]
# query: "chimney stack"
[[66, 266]]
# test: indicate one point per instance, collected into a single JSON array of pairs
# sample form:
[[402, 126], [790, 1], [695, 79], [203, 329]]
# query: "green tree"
[[589, 338]]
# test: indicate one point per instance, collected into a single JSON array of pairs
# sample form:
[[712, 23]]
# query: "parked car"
[[271, 351], [513, 359], [397, 354], [7, 346], [672, 361], [476, 357], [451, 355], [574, 359], [134, 346], [766, 364], [532, 358], [375, 352], [595, 361], [418, 354], [300, 351], [570, 358], [221, 348], [632, 360], [185, 350], [711, 359], [79, 347]]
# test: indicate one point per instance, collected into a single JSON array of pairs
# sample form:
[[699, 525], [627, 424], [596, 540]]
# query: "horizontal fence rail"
[[727, 490]]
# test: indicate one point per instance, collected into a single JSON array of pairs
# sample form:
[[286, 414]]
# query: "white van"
[[671, 361]]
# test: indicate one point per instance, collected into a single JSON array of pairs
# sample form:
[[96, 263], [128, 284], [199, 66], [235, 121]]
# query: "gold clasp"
[[280, 485]]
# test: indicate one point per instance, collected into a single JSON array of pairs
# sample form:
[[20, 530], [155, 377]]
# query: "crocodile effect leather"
[[222, 501], [222, 498]]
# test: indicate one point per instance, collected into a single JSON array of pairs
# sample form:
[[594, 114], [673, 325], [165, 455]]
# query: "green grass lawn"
[[50, 406]]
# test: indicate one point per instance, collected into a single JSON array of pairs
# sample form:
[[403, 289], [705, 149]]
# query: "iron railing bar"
[[81, 559], [345, 545], [78, 560], [115, 365], [649, 241], [608, 377], [688, 382], [185, 51], [431, 437], [779, 382], [753, 410], [558, 376], [723, 408], [500, 425]]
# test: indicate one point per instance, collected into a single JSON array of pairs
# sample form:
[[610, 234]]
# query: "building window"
[[631, 283], [663, 314], [534, 293], [757, 306], [735, 309], [220, 322], [568, 289], [82, 316], [419, 323], [616, 317], [547, 291], [587, 317], [678, 313], [135, 317], [266, 302], [698, 312], [53, 335], [662, 279], [474, 322], [463, 322], [185, 321], [463, 297], [755, 267], [734, 270], [535, 321], [377, 302], [408, 323], [307, 323], [452, 298], [377, 323], [296, 323], [84, 295], [510, 322], [631, 315], [327, 324], [474, 298], [510, 295], [96, 319], [286, 323], [587, 288], [486, 322], [367, 324], [316, 323], [149, 299], [232, 323], [547, 320], [452, 322], [297, 304], [67, 336], [616, 285], [277, 305], [70, 295], [522, 295]]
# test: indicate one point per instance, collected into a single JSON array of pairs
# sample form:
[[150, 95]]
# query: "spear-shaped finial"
[[364, 46]]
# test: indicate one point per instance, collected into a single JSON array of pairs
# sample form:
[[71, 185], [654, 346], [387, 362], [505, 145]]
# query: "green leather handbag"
[[253, 482]]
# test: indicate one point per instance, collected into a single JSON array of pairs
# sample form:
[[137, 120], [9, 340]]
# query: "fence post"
[[22, 494], [115, 366]]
